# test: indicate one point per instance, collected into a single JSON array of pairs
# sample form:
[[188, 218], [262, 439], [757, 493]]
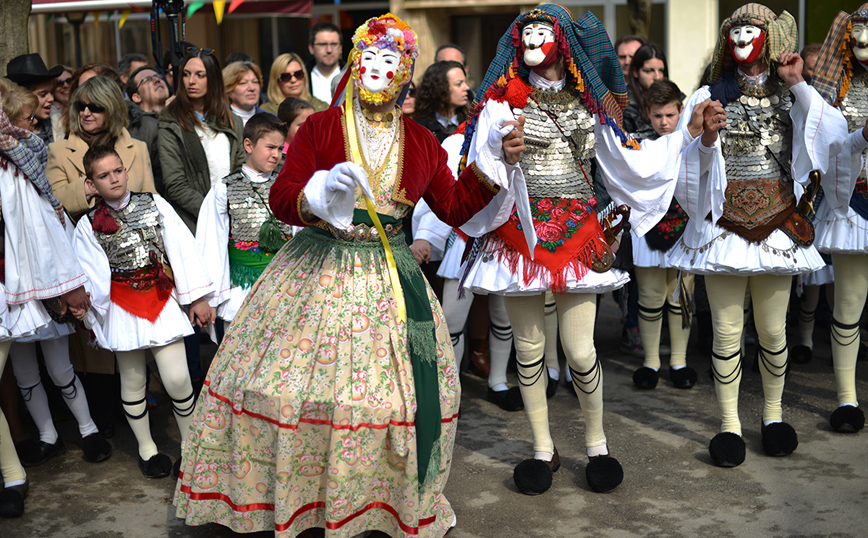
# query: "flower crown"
[[386, 32]]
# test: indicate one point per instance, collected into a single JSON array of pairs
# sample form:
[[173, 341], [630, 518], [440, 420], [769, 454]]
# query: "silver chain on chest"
[[559, 135], [247, 212], [139, 233], [757, 142]]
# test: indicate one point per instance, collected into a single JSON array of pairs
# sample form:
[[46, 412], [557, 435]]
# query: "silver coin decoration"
[[139, 233]]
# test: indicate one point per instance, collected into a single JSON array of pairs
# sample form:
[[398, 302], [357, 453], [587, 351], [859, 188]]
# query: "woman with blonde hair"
[[288, 78], [98, 117], [243, 85]]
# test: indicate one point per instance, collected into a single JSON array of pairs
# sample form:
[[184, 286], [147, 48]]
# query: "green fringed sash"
[[420, 322], [245, 266]]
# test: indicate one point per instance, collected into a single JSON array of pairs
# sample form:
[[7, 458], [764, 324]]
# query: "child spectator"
[[142, 264], [657, 280], [235, 213], [293, 112]]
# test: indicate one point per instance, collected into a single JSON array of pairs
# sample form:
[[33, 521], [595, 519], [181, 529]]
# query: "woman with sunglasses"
[[200, 138], [288, 78], [97, 117]]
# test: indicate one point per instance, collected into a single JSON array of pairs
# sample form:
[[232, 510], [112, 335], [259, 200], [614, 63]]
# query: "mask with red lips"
[[538, 46], [746, 43]]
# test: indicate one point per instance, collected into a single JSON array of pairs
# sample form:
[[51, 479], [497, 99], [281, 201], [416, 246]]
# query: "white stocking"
[[499, 340], [10, 466], [851, 274]]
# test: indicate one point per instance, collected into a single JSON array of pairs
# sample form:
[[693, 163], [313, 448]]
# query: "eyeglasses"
[[30, 120], [286, 77], [327, 45], [94, 109], [197, 50], [152, 78], [64, 82]]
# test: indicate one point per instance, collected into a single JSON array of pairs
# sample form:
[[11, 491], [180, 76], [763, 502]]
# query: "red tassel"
[[103, 222], [164, 282]]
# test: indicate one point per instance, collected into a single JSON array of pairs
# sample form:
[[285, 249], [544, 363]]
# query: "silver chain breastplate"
[[139, 233], [758, 127], [559, 135], [854, 106], [247, 212]]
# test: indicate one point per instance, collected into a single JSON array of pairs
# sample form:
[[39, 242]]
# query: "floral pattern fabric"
[[307, 417]]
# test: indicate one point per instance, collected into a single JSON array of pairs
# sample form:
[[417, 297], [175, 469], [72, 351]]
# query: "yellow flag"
[[219, 6], [95, 18], [124, 16]]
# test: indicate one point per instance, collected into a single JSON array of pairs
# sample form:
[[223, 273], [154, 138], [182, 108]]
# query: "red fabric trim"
[[196, 496], [145, 304], [356, 427]]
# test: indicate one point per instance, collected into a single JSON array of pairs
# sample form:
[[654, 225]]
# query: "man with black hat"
[[29, 70]]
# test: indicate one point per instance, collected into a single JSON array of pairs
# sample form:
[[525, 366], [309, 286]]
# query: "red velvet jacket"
[[320, 144]]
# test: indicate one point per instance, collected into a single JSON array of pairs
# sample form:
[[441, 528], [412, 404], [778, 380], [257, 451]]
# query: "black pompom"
[[532, 477], [727, 449], [604, 474]]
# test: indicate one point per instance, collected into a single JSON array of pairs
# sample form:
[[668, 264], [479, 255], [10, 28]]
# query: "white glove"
[[332, 194], [496, 135]]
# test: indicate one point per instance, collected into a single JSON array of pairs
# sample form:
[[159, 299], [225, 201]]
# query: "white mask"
[[378, 67], [534, 36], [743, 38], [859, 41]]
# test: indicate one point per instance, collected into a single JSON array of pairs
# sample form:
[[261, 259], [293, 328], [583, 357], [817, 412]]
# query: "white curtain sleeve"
[[488, 158], [192, 279], [95, 264], [819, 132], [643, 179], [212, 237], [427, 226], [844, 169]]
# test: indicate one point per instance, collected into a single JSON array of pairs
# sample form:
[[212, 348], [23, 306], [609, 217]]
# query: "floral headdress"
[[384, 32], [834, 67]]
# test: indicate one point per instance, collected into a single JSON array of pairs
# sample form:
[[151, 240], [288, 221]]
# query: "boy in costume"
[[128, 244]]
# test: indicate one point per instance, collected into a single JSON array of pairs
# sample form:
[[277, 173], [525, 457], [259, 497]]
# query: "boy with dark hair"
[[656, 279], [142, 264], [236, 231]]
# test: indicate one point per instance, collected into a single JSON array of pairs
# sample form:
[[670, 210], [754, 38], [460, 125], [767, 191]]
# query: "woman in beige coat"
[[98, 117]]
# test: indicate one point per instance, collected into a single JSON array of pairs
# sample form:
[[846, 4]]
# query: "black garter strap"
[[68, 385], [651, 314], [596, 372], [137, 402], [768, 364], [186, 411], [501, 332], [534, 376], [726, 379], [27, 392], [839, 336]]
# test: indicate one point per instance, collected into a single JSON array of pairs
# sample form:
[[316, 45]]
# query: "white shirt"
[[322, 84]]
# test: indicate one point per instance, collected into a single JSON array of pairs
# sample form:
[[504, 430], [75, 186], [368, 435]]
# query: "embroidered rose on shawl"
[[550, 232]]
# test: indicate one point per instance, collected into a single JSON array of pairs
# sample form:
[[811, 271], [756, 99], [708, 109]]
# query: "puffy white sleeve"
[[701, 176], [643, 179], [96, 266], [426, 225], [192, 278], [819, 131], [844, 169], [212, 237]]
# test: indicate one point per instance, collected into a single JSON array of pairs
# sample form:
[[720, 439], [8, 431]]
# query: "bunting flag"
[[235, 4], [108, 18], [219, 6], [193, 8], [95, 18], [48, 19], [124, 15]]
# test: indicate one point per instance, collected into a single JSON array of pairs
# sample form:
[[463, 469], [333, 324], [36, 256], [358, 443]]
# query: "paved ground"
[[671, 488]]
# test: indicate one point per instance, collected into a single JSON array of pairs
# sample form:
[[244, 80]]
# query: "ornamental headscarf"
[[781, 33], [590, 61], [384, 32], [834, 67]]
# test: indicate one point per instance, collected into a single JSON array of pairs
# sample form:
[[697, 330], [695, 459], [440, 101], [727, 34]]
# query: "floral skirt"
[[307, 417]]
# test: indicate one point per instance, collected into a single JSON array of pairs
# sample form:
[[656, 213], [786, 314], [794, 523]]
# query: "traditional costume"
[[841, 77], [573, 133], [333, 400], [128, 248], [744, 229], [238, 236], [33, 241]]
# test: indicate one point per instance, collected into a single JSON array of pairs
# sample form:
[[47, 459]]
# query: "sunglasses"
[[94, 109], [286, 77], [197, 50], [64, 82]]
